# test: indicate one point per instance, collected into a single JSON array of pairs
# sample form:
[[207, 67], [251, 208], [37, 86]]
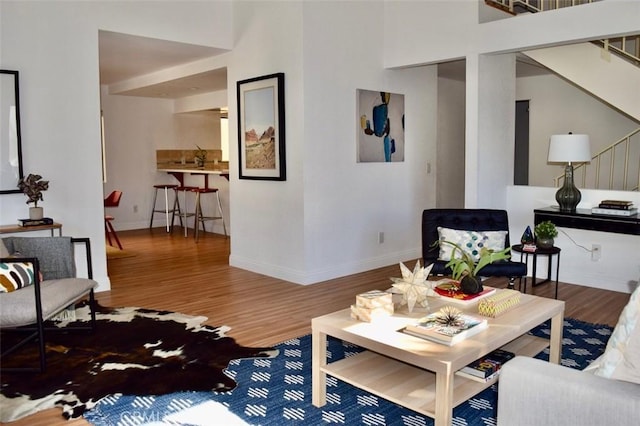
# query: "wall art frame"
[[11, 169], [380, 127], [261, 128]]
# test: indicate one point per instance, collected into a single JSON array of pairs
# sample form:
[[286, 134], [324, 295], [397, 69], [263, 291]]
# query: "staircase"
[[593, 69], [613, 168], [532, 6], [627, 48], [616, 167]]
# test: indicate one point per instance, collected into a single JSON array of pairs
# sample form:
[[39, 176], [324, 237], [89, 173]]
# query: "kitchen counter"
[[178, 171], [190, 168]]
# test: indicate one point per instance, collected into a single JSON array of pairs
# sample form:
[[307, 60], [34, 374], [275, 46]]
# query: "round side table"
[[549, 252]]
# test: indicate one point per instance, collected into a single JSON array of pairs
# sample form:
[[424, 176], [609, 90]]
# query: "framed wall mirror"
[[10, 139]]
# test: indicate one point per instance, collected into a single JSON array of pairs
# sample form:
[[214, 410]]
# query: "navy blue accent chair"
[[467, 220]]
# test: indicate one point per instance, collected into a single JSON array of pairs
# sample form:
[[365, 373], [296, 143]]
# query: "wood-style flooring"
[[171, 272]]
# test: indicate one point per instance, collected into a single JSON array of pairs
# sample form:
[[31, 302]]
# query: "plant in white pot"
[[32, 186]]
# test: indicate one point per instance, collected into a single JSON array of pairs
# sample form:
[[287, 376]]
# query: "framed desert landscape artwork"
[[380, 128], [261, 128]]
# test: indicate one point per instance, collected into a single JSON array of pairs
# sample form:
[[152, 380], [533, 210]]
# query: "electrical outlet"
[[135, 209], [380, 237], [596, 252]]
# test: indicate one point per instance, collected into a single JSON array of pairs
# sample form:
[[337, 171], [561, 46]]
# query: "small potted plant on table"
[[545, 232], [200, 156], [33, 188], [465, 268]]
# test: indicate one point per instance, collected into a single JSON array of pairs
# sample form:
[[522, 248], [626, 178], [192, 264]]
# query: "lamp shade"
[[569, 148]]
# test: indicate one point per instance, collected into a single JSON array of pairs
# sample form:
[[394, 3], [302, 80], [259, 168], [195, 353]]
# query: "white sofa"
[[534, 392]]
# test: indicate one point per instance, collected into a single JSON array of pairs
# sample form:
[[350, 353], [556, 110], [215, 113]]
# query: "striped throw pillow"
[[15, 275]]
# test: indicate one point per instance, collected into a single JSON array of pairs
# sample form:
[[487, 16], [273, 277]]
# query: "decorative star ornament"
[[414, 286]]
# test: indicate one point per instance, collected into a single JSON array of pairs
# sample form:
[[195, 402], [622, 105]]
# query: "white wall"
[[486, 175], [450, 164], [347, 203], [619, 267], [326, 217], [54, 45], [408, 23], [489, 148], [133, 127], [324, 220], [267, 216], [558, 107]]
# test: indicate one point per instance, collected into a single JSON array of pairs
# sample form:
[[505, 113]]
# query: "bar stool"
[[166, 210], [199, 216], [184, 215]]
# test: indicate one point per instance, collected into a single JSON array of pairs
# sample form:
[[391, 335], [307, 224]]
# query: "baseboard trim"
[[329, 272]]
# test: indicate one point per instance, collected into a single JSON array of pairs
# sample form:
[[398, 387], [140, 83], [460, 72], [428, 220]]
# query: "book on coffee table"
[[487, 367], [430, 329]]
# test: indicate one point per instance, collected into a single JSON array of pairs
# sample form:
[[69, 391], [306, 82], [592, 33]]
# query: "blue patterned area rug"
[[278, 392]]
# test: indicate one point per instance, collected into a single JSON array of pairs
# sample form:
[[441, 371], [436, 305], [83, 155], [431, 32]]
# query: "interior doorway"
[[521, 155]]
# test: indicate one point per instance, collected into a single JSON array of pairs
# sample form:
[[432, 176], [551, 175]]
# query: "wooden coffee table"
[[419, 374]]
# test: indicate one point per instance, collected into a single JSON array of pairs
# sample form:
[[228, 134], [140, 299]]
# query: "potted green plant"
[[32, 186], [200, 156], [545, 232], [465, 268]]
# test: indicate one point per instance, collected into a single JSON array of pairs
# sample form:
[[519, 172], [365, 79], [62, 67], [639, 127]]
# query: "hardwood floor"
[[174, 273]]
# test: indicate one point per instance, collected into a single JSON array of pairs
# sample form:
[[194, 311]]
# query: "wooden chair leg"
[[113, 232]]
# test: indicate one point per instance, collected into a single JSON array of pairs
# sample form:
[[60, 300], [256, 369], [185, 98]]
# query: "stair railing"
[[514, 6], [597, 161], [627, 47]]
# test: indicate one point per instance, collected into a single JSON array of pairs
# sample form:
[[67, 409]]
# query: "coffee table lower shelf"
[[411, 386]]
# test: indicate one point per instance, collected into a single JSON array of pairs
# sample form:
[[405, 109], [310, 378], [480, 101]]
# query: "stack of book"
[[615, 208], [430, 328], [35, 222], [487, 367]]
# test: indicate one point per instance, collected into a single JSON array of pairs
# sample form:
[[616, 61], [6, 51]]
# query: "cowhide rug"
[[133, 351]]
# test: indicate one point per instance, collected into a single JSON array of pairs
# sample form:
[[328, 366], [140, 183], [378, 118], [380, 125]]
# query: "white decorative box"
[[371, 314], [374, 299]]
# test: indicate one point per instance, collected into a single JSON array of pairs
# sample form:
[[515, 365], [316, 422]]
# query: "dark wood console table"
[[584, 219]]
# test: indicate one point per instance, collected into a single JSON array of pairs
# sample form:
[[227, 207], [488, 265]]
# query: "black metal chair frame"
[[37, 330]]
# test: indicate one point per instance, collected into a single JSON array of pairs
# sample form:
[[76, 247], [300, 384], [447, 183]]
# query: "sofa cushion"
[[17, 307], [15, 275], [470, 241], [621, 358]]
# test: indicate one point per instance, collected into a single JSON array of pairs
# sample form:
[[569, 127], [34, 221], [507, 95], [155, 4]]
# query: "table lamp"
[[569, 149]]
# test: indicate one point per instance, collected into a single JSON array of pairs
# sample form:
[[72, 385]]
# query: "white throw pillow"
[[470, 241], [621, 358]]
